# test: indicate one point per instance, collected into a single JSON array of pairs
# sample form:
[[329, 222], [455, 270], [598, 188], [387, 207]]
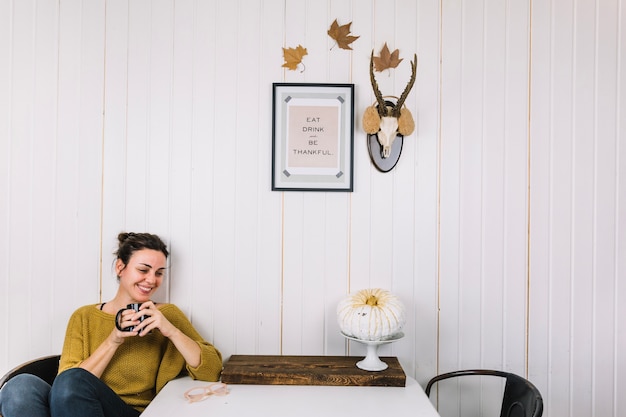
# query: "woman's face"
[[143, 274]]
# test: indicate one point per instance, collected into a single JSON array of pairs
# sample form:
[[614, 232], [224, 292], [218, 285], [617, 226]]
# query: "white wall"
[[502, 227]]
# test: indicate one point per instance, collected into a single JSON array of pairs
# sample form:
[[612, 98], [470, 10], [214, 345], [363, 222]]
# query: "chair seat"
[[520, 399], [45, 367]]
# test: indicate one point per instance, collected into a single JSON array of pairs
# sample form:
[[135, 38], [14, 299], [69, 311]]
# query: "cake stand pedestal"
[[372, 362]]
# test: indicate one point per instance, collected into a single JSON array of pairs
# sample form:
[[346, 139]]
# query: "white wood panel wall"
[[501, 228], [484, 197], [576, 344]]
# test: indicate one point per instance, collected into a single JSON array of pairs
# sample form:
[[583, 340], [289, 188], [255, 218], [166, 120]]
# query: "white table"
[[293, 401]]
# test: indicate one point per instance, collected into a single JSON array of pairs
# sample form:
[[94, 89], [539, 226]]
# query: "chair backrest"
[[45, 367], [521, 398]]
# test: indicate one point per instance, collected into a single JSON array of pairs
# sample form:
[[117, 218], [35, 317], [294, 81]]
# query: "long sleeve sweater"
[[141, 366]]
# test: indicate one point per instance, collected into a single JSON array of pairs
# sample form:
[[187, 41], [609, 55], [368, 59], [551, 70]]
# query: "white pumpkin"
[[371, 314]]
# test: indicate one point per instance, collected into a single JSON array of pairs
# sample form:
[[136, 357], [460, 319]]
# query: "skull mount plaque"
[[387, 123]]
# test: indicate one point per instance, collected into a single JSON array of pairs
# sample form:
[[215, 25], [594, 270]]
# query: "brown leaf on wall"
[[386, 59], [341, 34], [293, 57]]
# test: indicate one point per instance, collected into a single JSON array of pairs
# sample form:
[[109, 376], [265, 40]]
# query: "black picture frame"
[[312, 137]]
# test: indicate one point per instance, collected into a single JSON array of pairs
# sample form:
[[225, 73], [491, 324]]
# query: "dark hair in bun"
[[130, 243]]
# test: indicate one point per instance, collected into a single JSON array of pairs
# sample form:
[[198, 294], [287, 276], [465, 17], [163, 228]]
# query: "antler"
[[382, 107], [395, 112]]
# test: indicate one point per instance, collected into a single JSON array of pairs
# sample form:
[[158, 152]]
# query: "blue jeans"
[[25, 395], [74, 393]]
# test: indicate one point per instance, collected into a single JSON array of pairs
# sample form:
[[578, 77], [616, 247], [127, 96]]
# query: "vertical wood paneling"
[[40, 182], [138, 119], [483, 197], [310, 303], [225, 165], [424, 103], [269, 237], [78, 145], [156, 115], [89, 153], [44, 98], [576, 89], [606, 357], [461, 196], [449, 182], [619, 381], [550, 216], [6, 51], [494, 276], [336, 268], [201, 286], [516, 172], [506, 185], [115, 138], [139, 148], [247, 150], [159, 123], [180, 138], [48, 332], [18, 256], [583, 142], [541, 182], [471, 233], [52, 217]]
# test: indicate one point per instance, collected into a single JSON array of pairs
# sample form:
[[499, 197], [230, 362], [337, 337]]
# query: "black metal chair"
[[45, 367], [521, 398]]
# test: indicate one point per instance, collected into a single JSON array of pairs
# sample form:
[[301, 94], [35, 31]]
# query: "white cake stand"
[[372, 362]]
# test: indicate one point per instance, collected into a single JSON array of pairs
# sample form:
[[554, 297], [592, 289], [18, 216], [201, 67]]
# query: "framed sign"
[[312, 137]]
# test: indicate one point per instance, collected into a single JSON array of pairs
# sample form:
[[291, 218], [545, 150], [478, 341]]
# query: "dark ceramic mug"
[[133, 306]]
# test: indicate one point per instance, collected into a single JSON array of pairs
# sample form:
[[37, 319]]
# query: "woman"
[[105, 371]]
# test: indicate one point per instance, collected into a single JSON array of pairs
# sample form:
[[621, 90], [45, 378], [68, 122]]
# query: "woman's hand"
[[118, 336], [152, 319], [127, 318]]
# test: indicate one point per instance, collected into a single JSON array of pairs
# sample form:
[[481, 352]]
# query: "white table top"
[[293, 400]]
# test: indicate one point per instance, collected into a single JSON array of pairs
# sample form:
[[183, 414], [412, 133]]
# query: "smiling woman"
[[115, 369], [129, 243], [140, 266]]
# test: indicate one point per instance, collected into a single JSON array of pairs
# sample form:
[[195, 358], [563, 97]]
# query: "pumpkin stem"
[[372, 300]]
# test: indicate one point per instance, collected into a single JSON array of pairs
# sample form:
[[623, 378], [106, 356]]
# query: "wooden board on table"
[[309, 370]]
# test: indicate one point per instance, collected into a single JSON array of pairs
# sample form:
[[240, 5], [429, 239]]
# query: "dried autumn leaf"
[[386, 59], [293, 57], [341, 34]]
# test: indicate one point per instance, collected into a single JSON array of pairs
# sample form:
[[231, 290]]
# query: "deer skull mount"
[[385, 122]]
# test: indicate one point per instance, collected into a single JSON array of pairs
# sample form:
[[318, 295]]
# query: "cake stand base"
[[372, 362]]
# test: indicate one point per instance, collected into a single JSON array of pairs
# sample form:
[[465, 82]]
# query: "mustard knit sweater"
[[141, 366]]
